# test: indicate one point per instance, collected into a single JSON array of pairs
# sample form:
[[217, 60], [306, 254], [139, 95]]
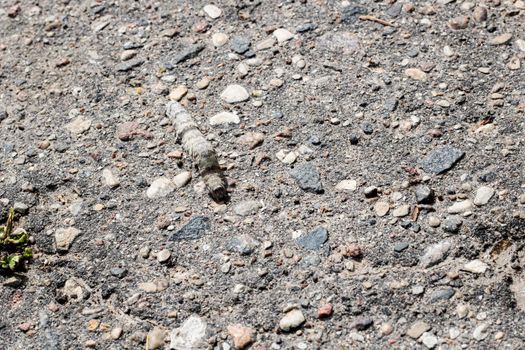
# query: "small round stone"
[[163, 256]]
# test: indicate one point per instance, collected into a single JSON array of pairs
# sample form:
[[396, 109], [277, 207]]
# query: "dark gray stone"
[[129, 65], [350, 14], [313, 240], [307, 177], [367, 128], [244, 244], [194, 229], [240, 44], [361, 323], [3, 113], [188, 53], [452, 224], [441, 159], [390, 104], [119, 272], [442, 294], [315, 140], [306, 27], [400, 247], [424, 194], [394, 10]]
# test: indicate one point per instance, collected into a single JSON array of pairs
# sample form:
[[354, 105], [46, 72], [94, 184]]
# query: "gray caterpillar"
[[200, 149]]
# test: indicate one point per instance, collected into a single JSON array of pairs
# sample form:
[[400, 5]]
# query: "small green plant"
[[13, 245]]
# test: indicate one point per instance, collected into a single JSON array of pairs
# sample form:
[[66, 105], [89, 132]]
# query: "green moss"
[[13, 245]]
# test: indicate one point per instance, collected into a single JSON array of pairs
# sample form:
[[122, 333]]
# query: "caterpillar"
[[200, 149]]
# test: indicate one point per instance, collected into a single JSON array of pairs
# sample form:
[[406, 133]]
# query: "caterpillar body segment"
[[200, 149]]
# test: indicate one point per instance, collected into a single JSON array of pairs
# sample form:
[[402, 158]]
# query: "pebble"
[[79, 125], [434, 221], [416, 74], [429, 340], [282, 35], [144, 252], [154, 286], [417, 329], [519, 43], [64, 237], [251, 139], [307, 177], [187, 53], [399, 247], [452, 224], [424, 195], [501, 39], [462, 310], [350, 13], [386, 328], [287, 158], [441, 159], [203, 83], [219, 39], [483, 195], [480, 14], [194, 229], [163, 256], [110, 179], [119, 272], [442, 294], [499, 335], [457, 23], [460, 207], [178, 93], [116, 333], [240, 44], [401, 211], [155, 338], [248, 207], [479, 332], [381, 208], [129, 65], [434, 254], [325, 311], [12, 282], [418, 290], [339, 42], [129, 130], [160, 187], [190, 335], [361, 324], [234, 94], [128, 54], [454, 333], [243, 244], [306, 27], [25, 326], [313, 240], [346, 186], [265, 44], [224, 118], [475, 266], [213, 11], [182, 179], [21, 208], [292, 320], [242, 336]]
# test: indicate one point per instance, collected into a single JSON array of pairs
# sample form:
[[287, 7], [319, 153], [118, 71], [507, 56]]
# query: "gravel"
[[369, 158]]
